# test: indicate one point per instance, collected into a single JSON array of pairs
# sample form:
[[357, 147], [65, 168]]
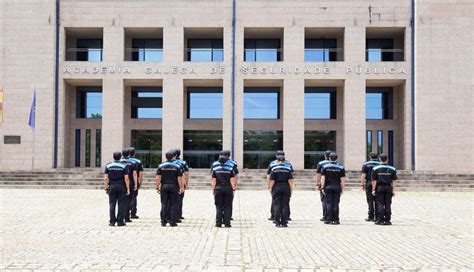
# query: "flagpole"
[[33, 157]]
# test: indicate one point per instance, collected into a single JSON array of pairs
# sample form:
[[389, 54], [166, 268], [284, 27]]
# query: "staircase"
[[249, 179]]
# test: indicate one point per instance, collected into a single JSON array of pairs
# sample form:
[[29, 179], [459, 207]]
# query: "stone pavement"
[[68, 230]]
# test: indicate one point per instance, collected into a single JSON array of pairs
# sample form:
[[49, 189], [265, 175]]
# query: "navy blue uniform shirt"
[[230, 163], [223, 173], [182, 165], [131, 166], [320, 164], [116, 172], [276, 163], [368, 167], [333, 172], [281, 172], [384, 174], [169, 172]]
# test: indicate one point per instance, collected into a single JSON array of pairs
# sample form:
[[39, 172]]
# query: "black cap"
[[225, 153], [373, 155], [280, 152], [132, 151], [326, 154], [177, 152], [333, 156], [117, 155], [170, 154], [126, 152], [222, 159], [383, 157]]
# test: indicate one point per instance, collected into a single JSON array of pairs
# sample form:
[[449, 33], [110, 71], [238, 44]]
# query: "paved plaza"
[[68, 230]]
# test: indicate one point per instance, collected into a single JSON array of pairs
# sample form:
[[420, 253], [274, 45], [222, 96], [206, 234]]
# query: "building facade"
[[302, 76]]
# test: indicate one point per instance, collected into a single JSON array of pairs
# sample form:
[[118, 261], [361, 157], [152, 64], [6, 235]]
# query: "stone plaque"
[[11, 139]]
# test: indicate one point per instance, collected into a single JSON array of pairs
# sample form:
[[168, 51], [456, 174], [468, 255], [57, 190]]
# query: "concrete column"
[[293, 44], [113, 41], [112, 117], [293, 121], [239, 99], [227, 91], [354, 123], [173, 107]]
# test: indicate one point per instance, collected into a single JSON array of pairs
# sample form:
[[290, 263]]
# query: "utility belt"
[[223, 183], [164, 182]]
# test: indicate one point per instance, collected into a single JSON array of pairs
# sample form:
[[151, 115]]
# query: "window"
[[205, 50], [98, 145], [320, 103], [379, 50], [88, 148], [147, 102], [205, 103], [201, 147], [380, 141], [147, 145], [77, 149], [379, 103], [262, 103], [315, 144], [89, 102], [390, 147], [320, 50], [147, 50], [89, 50], [260, 147], [369, 143], [262, 50]]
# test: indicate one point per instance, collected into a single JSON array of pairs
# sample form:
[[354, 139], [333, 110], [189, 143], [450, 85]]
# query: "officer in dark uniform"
[[319, 167], [383, 184], [132, 175], [269, 170], [234, 166], [281, 185], [169, 183], [139, 164], [223, 185], [117, 186], [366, 184], [332, 181], [185, 170]]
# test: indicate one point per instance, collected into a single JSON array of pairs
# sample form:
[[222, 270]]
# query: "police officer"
[[169, 183], [117, 185], [185, 170], [234, 166], [332, 181], [132, 175], [383, 184], [319, 167], [139, 164], [281, 184], [269, 170], [366, 184], [223, 185]]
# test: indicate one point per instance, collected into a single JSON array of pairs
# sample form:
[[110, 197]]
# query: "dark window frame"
[[146, 100], [213, 41], [279, 56], [387, 101], [78, 53], [135, 54], [191, 90], [264, 90], [81, 100], [332, 91], [382, 44], [77, 148], [332, 55]]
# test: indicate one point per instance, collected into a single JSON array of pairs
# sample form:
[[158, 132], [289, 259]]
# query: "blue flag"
[[31, 121]]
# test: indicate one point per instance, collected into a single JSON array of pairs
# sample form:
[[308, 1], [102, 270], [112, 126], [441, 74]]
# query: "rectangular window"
[[379, 103], [320, 103], [147, 145], [320, 50], [77, 149], [205, 103], [369, 143], [147, 102], [147, 50], [390, 147], [260, 147], [88, 148], [262, 103], [379, 50], [380, 141], [98, 147], [315, 143], [201, 147], [89, 50], [262, 50], [89, 102], [205, 50]]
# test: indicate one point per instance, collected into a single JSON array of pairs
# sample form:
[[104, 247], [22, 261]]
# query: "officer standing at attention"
[[319, 167], [185, 170], [281, 185], [132, 175], [117, 186], [234, 166], [366, 184], [269, 170], [223, 185], [139, 164], [383, 184], [332, 181], [169, 183]]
